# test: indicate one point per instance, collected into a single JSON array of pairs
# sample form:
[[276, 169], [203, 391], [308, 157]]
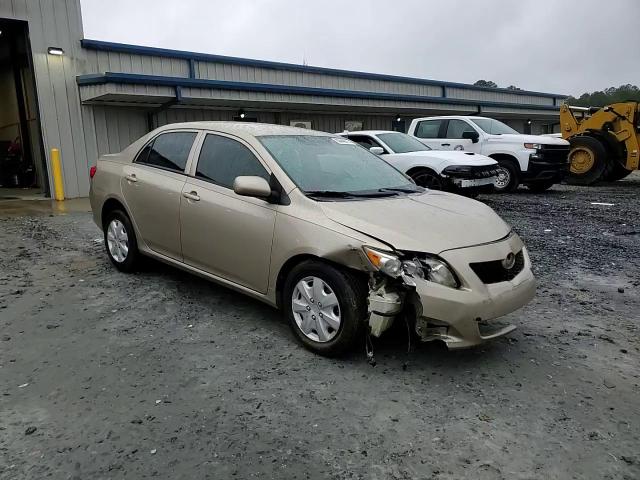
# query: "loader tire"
[[615, 171], [588, 161]]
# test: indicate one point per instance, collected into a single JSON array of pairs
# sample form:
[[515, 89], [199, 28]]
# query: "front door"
[[152, 189], [454, 137], [225, 234]]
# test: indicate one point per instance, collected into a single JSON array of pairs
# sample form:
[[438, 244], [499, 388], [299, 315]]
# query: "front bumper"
[[548, 164], [470, 177], [459, 316]]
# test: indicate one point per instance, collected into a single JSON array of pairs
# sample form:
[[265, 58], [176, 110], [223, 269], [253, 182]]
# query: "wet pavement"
[[161, 374]]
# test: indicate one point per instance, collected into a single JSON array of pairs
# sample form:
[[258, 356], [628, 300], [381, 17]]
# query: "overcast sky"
[[559, 46]]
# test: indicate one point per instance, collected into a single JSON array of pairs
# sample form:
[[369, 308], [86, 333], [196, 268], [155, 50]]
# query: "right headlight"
[[438, 271]]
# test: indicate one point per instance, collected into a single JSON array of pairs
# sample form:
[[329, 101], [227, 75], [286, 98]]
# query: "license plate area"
[[474, 182]]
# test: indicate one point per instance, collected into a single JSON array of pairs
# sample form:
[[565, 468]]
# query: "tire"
[[427, 178], [540, 186], [615, 172], [116, 223], [508, 179], [350, 294], [588, 161]]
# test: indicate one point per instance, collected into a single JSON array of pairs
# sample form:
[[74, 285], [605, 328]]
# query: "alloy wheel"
[[503, 178]]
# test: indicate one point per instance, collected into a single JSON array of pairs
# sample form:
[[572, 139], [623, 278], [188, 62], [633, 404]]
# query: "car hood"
[[513, 138], [430, 222], [450, 157]]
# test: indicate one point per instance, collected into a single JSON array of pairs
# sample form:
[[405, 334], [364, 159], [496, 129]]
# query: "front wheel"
[[325, 306], [587, 159], [120, 241], [508, 177], [428, 179], [540, 186]]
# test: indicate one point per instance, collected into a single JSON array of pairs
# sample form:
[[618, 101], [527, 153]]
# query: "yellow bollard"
[[56, 171]]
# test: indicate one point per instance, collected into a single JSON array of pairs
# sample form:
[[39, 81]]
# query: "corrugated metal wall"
[[56, 23]]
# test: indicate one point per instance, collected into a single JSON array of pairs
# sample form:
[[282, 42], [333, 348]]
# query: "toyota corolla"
[[315, 225]]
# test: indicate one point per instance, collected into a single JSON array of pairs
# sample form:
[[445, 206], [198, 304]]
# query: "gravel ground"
[[161, 374]]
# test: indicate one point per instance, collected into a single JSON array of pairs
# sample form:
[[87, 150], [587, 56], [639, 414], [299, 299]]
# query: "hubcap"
[[316, 309], [117, 241], [503, 178], [582, 160]]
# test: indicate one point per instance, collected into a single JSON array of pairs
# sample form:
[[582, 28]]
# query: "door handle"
[[131, 178], [191, 196], [445, 144]]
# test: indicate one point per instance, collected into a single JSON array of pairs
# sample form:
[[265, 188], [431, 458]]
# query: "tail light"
[[92, 171]]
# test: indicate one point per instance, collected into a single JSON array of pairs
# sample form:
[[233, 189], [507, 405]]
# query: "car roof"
[[243, 128], [448, 117], [368, 132]]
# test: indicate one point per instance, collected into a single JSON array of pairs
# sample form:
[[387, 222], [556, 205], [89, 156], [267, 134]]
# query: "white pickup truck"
[[465, 173], [536, 161]]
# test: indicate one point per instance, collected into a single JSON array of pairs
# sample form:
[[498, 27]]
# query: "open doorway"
[[22, 161]]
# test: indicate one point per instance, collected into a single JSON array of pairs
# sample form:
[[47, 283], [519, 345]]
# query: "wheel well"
[[415, 170], [296, 260], [506, 158], [109, 206]]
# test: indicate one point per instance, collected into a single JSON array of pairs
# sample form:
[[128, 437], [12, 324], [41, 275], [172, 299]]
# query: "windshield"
[[493, 127], [334, 165], [402, 143]]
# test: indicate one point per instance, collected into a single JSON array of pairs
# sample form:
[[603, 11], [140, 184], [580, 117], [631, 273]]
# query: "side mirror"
[[377, 150], [473, 136], [252, 187]]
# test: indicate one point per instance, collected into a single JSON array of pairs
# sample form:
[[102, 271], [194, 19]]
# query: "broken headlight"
[[437, 271], [386, 262]]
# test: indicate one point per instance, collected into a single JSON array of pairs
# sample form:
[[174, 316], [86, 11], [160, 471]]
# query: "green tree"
[[486, 83], [607, 96]]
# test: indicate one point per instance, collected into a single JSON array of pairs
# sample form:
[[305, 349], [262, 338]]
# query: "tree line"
[[600, 98]]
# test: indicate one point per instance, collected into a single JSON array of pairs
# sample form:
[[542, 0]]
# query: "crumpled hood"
[[431, 222], [513, 138], [452, 157]]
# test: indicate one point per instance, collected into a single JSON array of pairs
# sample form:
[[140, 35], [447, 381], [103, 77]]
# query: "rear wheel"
[[325, 306], [427, 178], [587, 159], [120, 241]]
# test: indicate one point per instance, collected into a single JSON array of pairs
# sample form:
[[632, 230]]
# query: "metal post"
[[56, 171]]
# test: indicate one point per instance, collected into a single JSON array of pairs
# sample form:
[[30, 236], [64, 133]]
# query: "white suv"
[[465, 173], [536, 161]]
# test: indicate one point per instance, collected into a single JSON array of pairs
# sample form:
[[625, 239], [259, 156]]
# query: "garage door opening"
[[22, 161]]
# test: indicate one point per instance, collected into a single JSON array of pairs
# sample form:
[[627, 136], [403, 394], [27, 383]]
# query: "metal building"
[[88, 97]]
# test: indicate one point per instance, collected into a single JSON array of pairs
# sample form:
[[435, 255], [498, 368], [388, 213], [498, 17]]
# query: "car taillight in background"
[[92, 171]]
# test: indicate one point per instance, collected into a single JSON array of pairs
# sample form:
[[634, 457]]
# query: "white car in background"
[[466, 173]]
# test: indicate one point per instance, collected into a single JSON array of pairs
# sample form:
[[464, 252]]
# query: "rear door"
[[225, 234], [453, 136], [152, 188], [429, 132]]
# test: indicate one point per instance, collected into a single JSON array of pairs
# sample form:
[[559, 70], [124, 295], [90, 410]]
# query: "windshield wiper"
[[400, 189], [335, 194]]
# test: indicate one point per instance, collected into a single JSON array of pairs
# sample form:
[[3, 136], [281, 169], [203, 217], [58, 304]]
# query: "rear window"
[[168, 151]]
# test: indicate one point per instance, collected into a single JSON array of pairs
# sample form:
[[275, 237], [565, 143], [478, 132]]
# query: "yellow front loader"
[[605, 142]]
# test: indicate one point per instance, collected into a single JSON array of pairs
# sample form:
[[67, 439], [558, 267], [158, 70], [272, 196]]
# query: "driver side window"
[[456, 128], [366, 142]]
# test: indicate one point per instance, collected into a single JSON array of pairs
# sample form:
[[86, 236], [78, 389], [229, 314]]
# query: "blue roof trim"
[[205, 57], [137, 79]]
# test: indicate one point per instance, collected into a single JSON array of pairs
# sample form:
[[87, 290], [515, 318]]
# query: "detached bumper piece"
[[474, 177], [549, 163]]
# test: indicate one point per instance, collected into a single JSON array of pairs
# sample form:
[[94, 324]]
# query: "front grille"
[[553, 153], [471, 171], [494, 271]]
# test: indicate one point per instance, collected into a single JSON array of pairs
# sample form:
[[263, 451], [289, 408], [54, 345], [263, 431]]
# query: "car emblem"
[[509, 261]]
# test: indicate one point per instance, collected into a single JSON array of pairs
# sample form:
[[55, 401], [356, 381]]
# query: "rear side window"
[[223, 159], [428, 129], [168, 151]]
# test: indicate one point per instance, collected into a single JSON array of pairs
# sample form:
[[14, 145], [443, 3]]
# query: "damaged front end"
[[392, 290]]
